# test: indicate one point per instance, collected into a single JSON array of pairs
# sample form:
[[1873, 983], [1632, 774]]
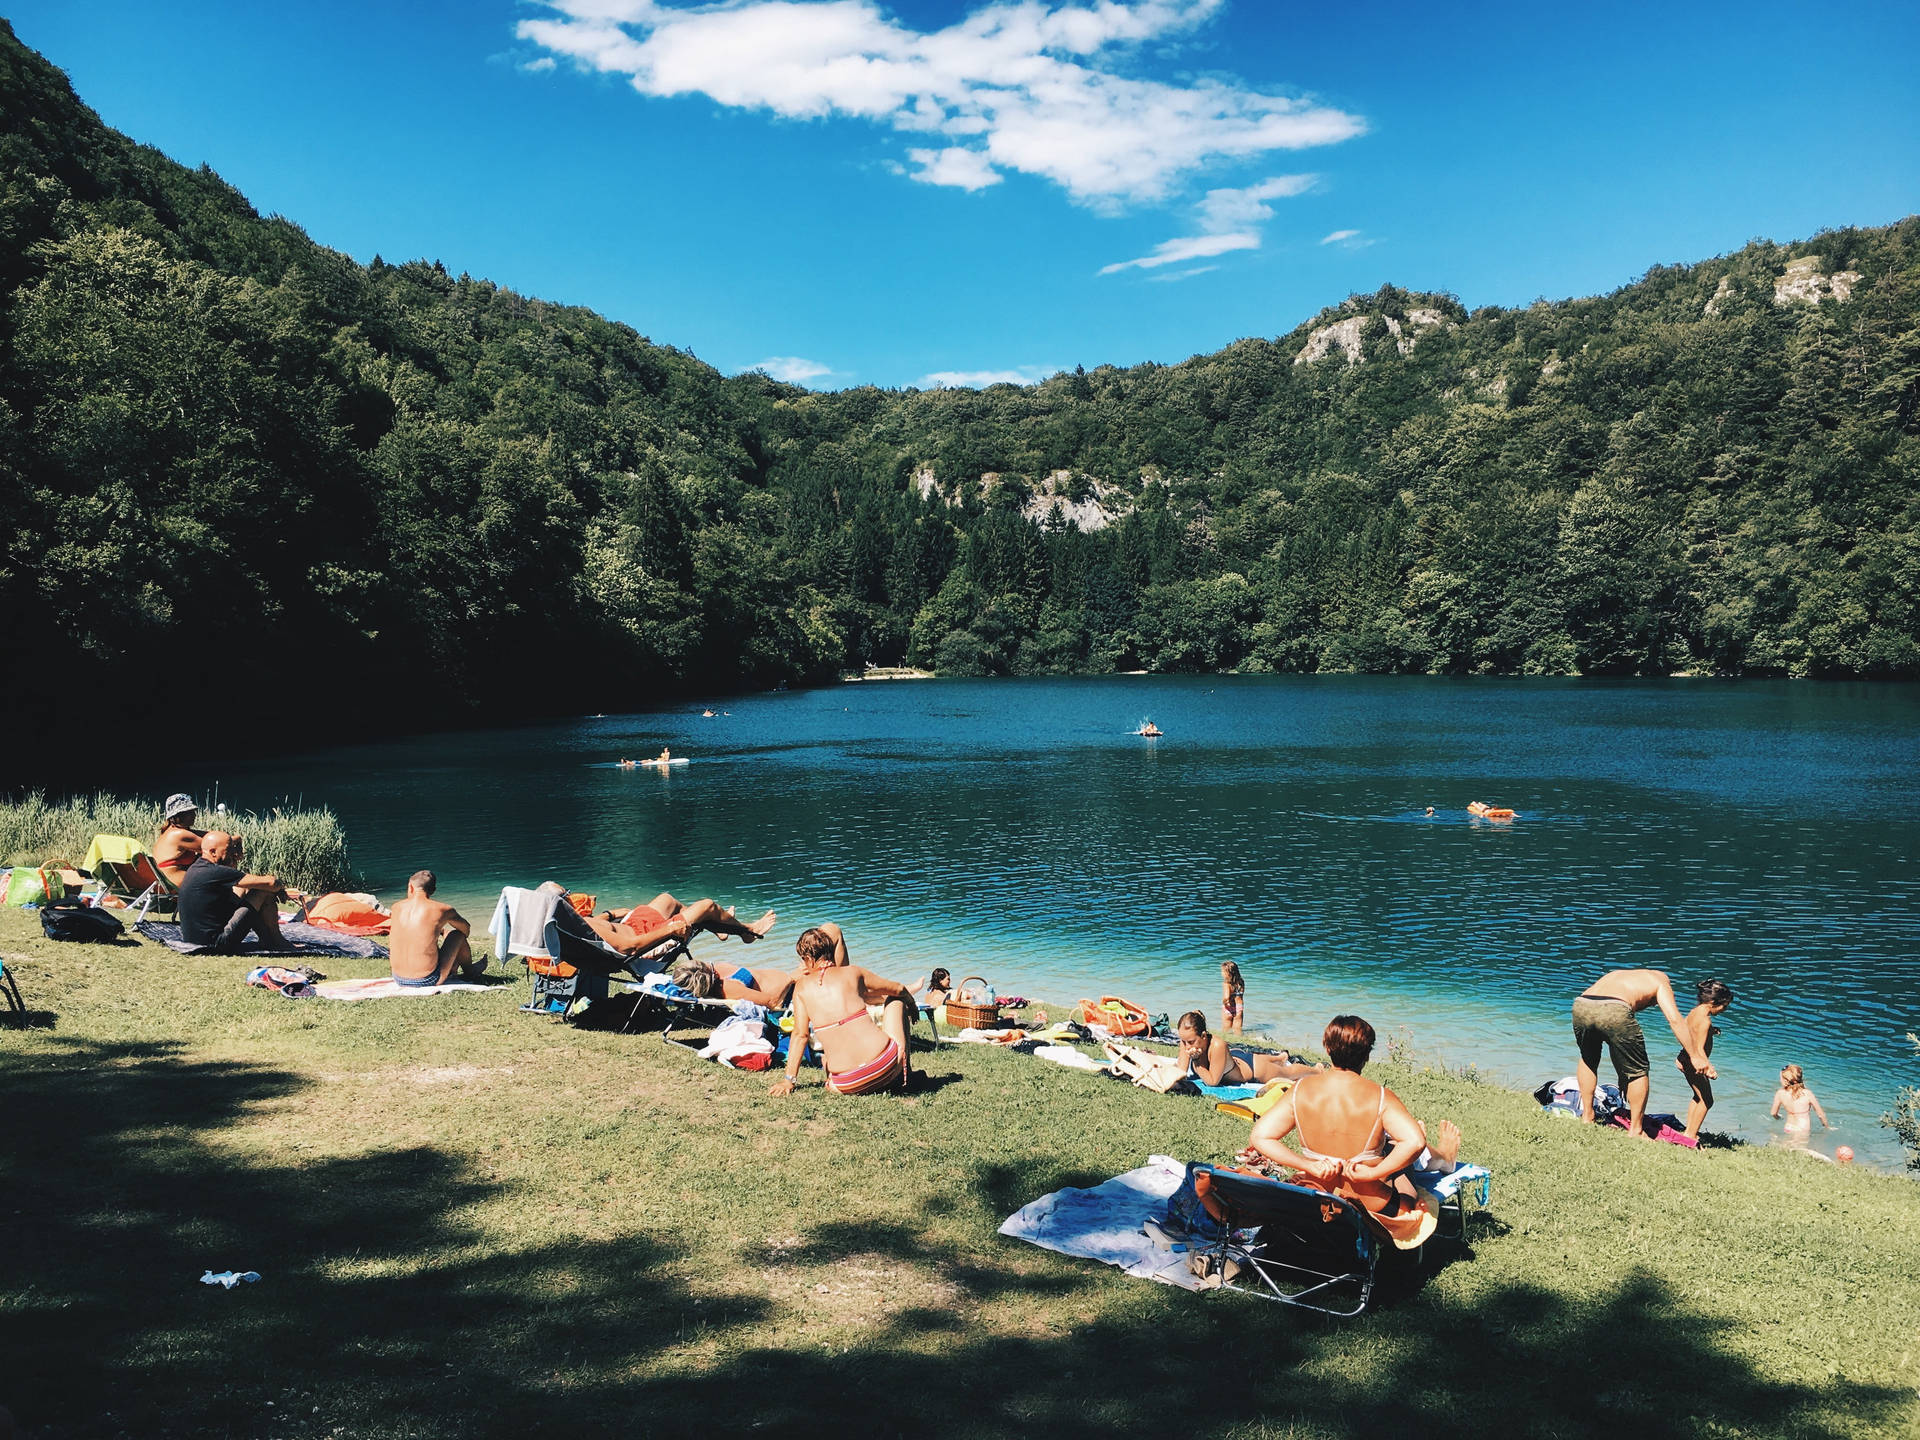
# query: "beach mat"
[[1103, 1223], [305, 940], [385, 987]]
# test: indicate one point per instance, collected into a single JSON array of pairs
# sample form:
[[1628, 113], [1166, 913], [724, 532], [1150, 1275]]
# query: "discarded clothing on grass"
[[740, 1041], [1670, 1128], [385, 987], [1073, 1059], [294, 984], [989, 1037], [1563, 1095], [1103, 1223], [301, 940]]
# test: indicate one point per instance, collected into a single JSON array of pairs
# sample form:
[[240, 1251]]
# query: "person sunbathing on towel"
[[1214, 1064], [830, 1002], [1357, 1138], [428, 939]]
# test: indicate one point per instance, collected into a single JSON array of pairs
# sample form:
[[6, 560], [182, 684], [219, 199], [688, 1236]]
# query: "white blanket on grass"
[[1103, 1223], [384, 987]]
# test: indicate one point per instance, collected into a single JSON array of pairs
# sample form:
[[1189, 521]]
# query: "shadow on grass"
[[383, 1312]]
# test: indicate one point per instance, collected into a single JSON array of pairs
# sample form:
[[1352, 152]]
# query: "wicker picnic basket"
[[968, 1008]]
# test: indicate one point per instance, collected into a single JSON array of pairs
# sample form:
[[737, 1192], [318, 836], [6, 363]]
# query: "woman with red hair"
[[1356, 1137]]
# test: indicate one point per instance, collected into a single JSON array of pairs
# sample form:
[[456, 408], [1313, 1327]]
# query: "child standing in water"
[[1714, 997], [1800, 1104], [1233, 999]]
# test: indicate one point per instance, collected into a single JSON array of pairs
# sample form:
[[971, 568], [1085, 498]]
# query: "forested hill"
[[244, 476]]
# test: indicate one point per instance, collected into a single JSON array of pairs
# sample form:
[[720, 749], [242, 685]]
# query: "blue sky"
[[914, 193]]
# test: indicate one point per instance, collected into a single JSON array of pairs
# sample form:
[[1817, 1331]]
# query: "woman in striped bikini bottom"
[[861, 1056]]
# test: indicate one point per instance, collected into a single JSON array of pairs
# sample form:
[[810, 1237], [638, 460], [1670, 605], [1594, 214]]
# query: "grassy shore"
[[474, 1222], [307, 848]]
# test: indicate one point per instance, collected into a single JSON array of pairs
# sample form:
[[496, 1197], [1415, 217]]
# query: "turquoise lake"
[[1763, 833]]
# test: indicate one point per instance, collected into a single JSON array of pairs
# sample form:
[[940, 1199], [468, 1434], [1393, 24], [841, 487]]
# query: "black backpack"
[[69, 920]]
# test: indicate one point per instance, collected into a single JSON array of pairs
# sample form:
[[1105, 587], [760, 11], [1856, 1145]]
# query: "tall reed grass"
[[305, 848]]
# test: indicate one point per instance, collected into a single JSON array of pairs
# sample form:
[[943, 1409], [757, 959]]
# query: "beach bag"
[[972, 1005], [33, 885], [70, 920], [296, 983]]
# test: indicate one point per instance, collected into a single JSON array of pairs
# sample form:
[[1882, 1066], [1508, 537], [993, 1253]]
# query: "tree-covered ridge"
[[220, 442]]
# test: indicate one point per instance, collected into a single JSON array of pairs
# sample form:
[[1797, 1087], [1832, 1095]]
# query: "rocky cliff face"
[[1345, 336], [1804, 284]]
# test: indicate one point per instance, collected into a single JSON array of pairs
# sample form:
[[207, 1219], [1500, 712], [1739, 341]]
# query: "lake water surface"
[[1759, 832]]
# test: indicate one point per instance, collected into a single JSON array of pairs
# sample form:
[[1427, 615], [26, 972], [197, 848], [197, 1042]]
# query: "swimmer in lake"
[[707, 713], [1429, 812]]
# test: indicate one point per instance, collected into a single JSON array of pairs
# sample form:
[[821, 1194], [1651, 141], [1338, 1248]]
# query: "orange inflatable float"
[[1122, 1017]]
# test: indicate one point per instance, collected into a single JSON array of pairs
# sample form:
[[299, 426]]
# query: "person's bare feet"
[[758, 928], [1445, 1142]]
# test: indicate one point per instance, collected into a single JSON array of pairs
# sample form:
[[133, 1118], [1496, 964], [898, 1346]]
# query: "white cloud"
[[1347, 240], [539, 66], [980, 379], [1223, 210], [956, 165], [1185, 274], [1188, 247], [793, 369], [1017, 85], [1227, 220]]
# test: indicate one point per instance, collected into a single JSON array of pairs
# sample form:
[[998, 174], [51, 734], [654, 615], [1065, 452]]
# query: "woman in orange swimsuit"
[[830, 1000], [1370, 1137]]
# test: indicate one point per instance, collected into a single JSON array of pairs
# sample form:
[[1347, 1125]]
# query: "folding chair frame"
[[1263, 1256], [10, 993]]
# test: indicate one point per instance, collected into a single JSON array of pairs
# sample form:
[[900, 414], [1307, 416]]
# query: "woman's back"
[[1338, 1114], [837, 1017]]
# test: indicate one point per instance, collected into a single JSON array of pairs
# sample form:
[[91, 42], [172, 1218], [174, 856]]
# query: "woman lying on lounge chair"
[[830, 1002], [771, 988], [1215, 1064], [1368, 1138]]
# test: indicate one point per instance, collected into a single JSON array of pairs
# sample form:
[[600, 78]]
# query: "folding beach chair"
[[1311, 1249], [571, 964], [130, 874]]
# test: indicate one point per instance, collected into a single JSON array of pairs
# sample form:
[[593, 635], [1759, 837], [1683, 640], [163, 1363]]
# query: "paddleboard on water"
[[656, 764]]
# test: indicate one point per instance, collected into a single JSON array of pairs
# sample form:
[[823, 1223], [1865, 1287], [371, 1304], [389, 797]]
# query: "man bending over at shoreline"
[[428, 940], [1605, 1015]]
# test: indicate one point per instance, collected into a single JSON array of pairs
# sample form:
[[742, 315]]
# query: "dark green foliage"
[[222, 444]]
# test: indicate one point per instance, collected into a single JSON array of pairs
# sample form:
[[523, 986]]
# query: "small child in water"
[[1714, 997], [1800, 1105], [1233, 1000]]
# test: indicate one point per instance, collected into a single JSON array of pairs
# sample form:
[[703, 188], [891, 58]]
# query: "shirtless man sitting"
[[178, 845], [1605, 1015], [428, 940]]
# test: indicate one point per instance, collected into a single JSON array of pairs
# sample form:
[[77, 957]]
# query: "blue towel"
[[1223, 1092]]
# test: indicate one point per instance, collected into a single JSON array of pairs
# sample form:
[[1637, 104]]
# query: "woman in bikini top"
[[860, 1056]]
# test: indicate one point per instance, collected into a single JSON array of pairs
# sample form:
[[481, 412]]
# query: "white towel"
[[1068, 1056], [520, 921], [1103, 1223]]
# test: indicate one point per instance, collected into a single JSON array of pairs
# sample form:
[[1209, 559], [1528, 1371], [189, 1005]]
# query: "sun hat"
[[178, 805]]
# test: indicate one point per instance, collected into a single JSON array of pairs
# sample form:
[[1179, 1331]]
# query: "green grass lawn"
[[474, 1222]]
